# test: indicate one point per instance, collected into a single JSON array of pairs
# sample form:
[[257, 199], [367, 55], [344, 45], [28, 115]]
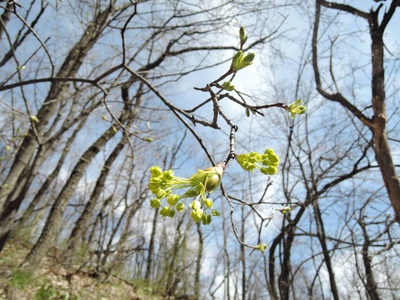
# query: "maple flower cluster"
[[266, 162], [164, 184]]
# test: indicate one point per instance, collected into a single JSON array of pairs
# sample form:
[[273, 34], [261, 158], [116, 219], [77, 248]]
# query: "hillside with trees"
[[199, 149]]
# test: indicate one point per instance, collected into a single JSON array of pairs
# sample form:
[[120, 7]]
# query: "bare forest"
[[228, 149]]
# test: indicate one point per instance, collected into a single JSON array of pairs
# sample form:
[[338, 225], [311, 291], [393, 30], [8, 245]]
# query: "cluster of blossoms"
[[164, 184], [266, 162]]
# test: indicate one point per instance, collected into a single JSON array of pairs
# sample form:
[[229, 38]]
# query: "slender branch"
[[337, 97]]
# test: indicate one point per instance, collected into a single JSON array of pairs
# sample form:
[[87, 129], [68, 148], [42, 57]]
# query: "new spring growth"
[[296, 107], [241, 60], [261, 247], [164, 184], [228, 86], [285, 210], [242, 35], [266, 162]]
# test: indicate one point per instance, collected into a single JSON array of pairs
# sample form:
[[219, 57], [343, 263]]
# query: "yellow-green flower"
[[266, 162], [164, 184]]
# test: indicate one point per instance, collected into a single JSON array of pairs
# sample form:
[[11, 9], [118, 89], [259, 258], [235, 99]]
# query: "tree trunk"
[[55, 217], [382, 150], [325, 252], [82, 222], [58, 90], [149, 263], [370, 286], [43, 189]]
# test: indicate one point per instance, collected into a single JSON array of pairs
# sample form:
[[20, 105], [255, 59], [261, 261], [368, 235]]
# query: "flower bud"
[[168, 175], [206, 219], [213, 179], [180, 207], [195, 205], [197, 215], [155, 203], [269, 170], [172, 199], [165, 211], [156, 171], [161, 193], [241, 158], [208, 203], [268, 151], [171, 213]]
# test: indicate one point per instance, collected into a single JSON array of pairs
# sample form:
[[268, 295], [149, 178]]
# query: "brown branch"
[[344, 7], [388, 15], [337, 97]]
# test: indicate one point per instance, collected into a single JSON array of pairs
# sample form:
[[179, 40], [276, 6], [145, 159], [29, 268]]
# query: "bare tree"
[[376, 122]]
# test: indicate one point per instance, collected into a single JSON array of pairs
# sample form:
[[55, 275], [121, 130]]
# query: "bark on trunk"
[[370, 286], [381, 143], [8, 203], [149, 263], [43, 189], [377, 24], [82, 222], [55, 217], [322, 240]]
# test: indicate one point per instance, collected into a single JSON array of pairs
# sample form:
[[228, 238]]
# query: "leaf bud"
[[249, 58], [34, 119], [228, 86], [215, 213], [242, 35], [261, 247], [236, 60], [285, 210]]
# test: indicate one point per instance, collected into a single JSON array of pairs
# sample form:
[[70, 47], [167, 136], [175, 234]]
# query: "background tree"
[[377, 19], [106, 91]]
